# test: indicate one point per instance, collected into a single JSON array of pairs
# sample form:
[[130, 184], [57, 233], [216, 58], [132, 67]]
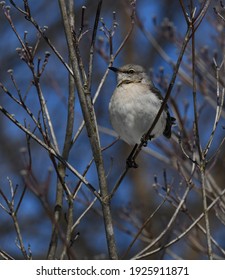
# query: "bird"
[[134, 105]]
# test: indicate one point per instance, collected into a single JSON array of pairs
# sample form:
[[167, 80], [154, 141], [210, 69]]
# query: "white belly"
[[132, 111]]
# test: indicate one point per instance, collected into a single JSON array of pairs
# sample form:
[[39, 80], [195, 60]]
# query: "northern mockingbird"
[[135, 104]]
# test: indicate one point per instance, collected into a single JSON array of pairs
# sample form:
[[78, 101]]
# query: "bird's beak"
[[114, 69]]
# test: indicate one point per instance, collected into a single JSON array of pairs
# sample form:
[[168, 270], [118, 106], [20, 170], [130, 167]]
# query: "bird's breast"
[[133, 107]]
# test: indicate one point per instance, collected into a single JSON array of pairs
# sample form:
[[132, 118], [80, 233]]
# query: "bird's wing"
[[169, 120]]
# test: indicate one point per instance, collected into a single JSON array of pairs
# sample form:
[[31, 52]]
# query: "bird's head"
[[130, 73]]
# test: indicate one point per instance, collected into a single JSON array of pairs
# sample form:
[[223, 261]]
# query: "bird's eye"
[[131, 71]]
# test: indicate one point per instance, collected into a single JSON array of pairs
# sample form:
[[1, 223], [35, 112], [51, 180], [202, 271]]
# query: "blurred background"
[[155, 43]]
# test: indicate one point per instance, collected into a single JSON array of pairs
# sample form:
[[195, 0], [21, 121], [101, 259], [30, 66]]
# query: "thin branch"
[[91, 55], [184, 233], [219, 108], [132, 17], [205, 211], [171, 221], [143, 227], [43, 34], [50, 150], [187, 18], [199, 17], [83, 214], [11, 211], [194, 94]]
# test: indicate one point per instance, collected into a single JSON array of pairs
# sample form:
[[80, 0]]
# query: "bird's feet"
[[131, 163], [145, 142]]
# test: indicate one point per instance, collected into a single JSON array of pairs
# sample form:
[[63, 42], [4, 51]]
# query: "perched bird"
[[135, 104]]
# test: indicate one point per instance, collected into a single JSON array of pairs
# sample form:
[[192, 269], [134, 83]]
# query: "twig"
[[91, 56], [11, 211], [132, 17], [219, 108], [184, 233], [28, 57], [143, 226], [49, 149], [42, 32], [171, 221], [205, 211], [83, 214]]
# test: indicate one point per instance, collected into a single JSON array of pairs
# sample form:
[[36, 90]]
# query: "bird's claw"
[[131, 163], [144, 141]]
